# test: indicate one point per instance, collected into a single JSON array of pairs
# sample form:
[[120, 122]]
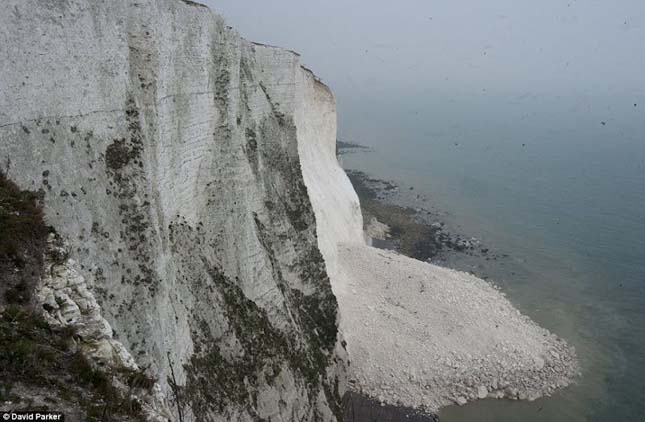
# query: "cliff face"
[[167, 152], [335, 203]]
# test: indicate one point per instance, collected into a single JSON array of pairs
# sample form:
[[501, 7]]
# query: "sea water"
[[558, 185]]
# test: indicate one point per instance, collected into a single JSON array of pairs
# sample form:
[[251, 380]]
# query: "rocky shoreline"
[[343, 147], [414, 229]]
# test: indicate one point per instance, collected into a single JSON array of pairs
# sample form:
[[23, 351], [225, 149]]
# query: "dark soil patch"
[[118, 154]]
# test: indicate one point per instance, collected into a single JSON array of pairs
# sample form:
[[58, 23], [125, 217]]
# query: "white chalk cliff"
[[194, 175], [165, 148]]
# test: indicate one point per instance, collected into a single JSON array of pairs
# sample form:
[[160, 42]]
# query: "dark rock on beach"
[[363, 409]]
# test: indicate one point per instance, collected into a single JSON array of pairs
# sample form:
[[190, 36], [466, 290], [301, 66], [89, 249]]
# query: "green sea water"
[[560, 188]]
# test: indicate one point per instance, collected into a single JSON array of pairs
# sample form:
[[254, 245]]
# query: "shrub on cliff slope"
[[23, 235], [39, 368]]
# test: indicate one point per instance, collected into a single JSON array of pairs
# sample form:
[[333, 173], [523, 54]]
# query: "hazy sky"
[[385, 55]]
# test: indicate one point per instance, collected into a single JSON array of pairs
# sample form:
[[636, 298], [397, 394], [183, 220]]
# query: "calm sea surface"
[[559, 186]]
